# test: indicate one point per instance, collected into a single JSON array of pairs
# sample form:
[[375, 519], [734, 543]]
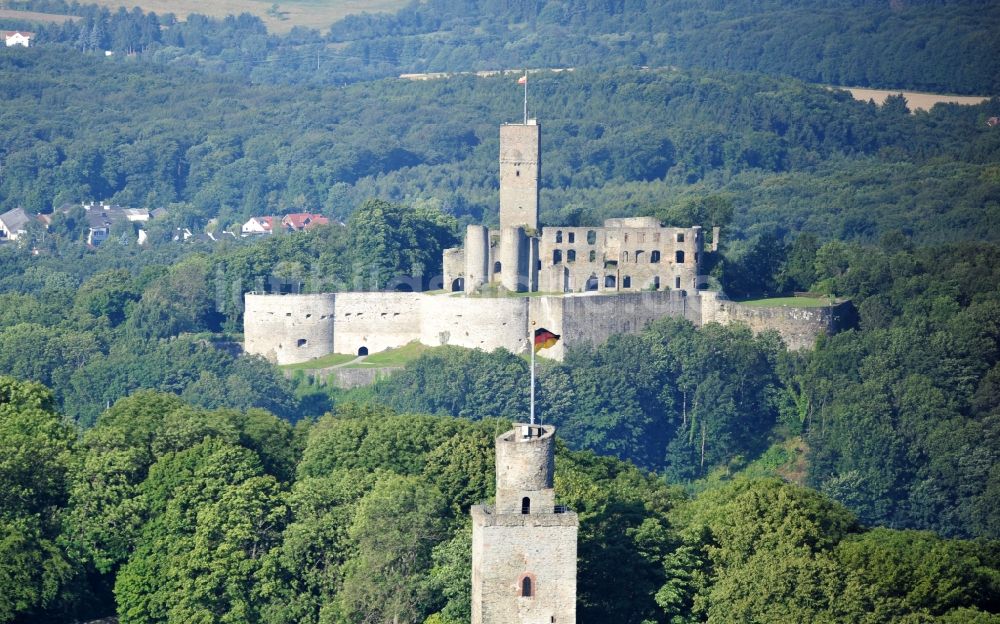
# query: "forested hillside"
[[930, 45], [167, 512], [789, 156]]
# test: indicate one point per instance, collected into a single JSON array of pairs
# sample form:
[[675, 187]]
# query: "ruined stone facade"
[[524, 546], [625, 255], [598, 281]]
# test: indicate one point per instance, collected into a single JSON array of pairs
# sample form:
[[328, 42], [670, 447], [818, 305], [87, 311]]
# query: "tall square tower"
[[524, 547], [520, 165]]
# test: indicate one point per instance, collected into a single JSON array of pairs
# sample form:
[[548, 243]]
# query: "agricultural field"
[[33, 16], [914, 99], [280, 17]]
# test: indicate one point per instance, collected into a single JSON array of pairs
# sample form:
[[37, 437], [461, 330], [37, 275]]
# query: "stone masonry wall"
[[593, 319], [376, 321], [798, 327], [505, 547], [288, 329]]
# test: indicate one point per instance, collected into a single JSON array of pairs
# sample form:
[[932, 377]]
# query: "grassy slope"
[[326, 361], [393, 357], [792, 302]]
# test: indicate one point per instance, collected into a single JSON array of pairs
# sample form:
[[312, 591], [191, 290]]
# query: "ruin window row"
[[639, 257], [571, 237]]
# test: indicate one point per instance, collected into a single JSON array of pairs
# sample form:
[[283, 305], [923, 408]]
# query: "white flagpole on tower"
[[526, 98], [531, 345]]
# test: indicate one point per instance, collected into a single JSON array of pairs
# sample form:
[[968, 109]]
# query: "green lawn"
[[324, 362], [791, 302], [392, 357]]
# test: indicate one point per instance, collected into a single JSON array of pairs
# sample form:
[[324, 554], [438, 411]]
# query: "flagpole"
[[531, 345], [526, 96]]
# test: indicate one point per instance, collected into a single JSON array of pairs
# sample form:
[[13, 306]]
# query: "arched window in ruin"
[[364, 350], [591, 282], [572, 237], [654, 257], [591, 237], [559, 236], [527, 586], [627, 282], [593, 256], [624, 256], [610, 281], [656, 282], [679, 256], [571, 255], [525, 505], [638, 256], [556, 256], [496, 267], [458, 284]]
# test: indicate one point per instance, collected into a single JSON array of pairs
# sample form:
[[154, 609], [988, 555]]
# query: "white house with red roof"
[[258, 225], [17, 38]]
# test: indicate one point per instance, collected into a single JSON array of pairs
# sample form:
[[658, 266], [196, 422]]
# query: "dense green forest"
[[166, 512], [933, 45]]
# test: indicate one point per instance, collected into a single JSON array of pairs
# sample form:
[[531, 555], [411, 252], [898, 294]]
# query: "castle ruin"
[[593, 282]]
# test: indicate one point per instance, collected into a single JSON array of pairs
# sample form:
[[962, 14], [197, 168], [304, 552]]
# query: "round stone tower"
[[477, 257], [513, 258], [525, 466]]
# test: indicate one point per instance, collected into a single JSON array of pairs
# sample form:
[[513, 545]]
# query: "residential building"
[[13, 224], [17, 38]]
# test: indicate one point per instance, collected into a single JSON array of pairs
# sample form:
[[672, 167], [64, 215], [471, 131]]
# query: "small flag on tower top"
[[523, 79], [544, 339]]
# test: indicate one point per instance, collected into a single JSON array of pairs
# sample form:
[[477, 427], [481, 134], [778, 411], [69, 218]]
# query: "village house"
[[295, 222], [299, 221], [257, 226], [17, 38], [13, 224]]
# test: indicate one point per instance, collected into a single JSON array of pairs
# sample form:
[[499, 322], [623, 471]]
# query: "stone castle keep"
[[626, 255], [598, 281], [524, 547]]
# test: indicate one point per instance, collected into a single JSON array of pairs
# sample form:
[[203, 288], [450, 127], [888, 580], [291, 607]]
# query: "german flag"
[[544, 339]]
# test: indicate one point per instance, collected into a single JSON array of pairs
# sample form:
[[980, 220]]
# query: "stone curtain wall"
[[798, 327], [289, 329]]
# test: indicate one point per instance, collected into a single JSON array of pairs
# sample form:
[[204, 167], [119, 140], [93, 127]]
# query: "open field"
[[32, 16], [317, 14], [791, 302], [914, 99]]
